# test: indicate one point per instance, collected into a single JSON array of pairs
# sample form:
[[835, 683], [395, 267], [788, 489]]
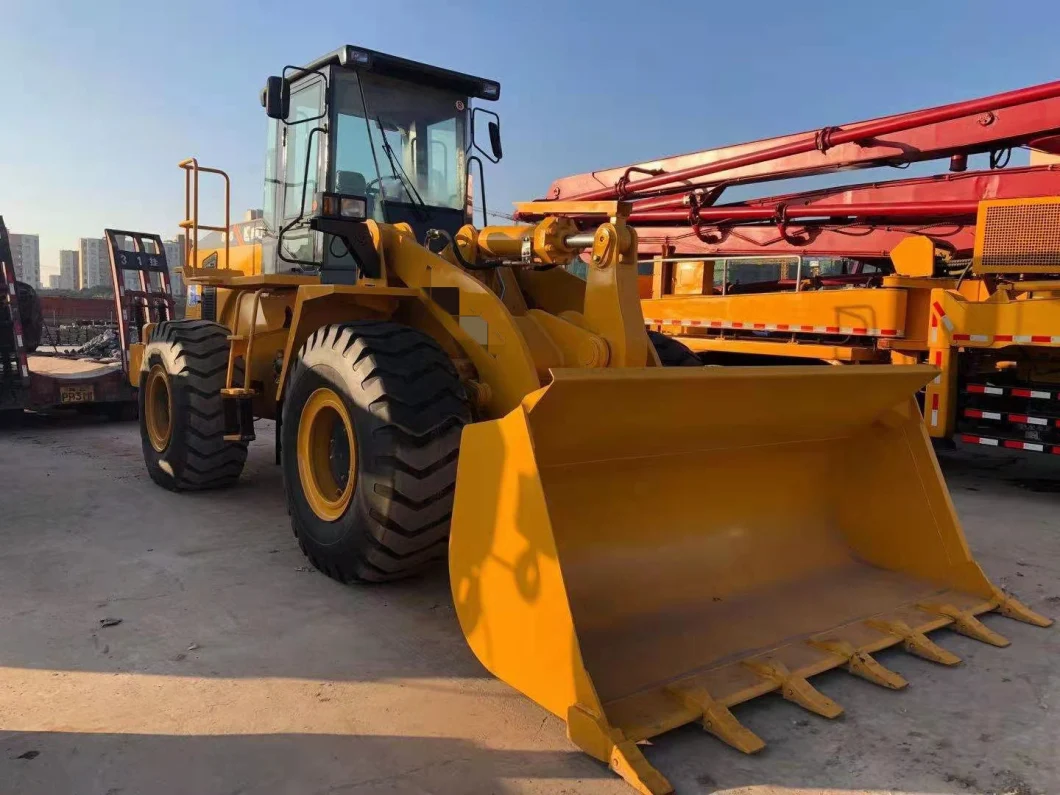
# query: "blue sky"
[[104, 98]]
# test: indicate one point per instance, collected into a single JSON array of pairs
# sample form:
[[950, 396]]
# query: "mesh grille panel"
[[1020, 237]]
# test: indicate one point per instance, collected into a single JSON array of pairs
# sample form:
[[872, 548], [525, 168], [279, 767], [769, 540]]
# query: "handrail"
[[190, 224]]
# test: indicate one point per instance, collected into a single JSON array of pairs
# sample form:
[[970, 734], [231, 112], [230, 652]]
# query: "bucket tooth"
[[862, 664], [628, 761], [597, 738], [795, 688], [1013, 608], [915, 642], [718, 720], [965, 623]]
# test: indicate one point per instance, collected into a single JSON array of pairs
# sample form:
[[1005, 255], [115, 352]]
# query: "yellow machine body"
[[636, 547], [632, 581]]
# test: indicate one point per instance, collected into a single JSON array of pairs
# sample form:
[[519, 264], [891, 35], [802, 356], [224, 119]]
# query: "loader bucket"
[[635, 549]]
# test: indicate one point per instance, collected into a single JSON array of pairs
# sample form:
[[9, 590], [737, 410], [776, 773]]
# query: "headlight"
[[353, 207], [335, 205]]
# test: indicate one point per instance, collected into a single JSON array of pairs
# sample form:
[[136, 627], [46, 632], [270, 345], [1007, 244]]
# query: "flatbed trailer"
[[45, 381], [60, 381]]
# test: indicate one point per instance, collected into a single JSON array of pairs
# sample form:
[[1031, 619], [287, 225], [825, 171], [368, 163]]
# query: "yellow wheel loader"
[[440, 389]]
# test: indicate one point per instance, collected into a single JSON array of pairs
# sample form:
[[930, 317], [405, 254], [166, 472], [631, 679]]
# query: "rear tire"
[[31, 315], [673, 353], [376, 506], [181, 414]]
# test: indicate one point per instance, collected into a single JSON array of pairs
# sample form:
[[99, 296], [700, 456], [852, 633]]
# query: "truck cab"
[[359, 123]]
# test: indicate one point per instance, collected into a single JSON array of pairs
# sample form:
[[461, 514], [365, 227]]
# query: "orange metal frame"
[[190, 224]]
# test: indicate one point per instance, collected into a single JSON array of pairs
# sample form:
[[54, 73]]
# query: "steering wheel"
[[400, 191]]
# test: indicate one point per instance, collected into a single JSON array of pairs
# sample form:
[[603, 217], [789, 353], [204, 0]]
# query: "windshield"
[[406, 147]]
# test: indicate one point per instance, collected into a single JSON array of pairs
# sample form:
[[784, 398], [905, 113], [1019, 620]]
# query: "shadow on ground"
[[49, 763]]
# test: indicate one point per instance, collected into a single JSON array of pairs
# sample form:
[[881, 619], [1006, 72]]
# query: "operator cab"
[[396, 133]]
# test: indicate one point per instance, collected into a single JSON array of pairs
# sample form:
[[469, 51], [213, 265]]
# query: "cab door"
[[294, 174]]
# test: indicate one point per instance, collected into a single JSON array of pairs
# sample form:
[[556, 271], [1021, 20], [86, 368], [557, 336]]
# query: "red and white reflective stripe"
[[18, 340], [1033, 393], [1023, 419], [1034, 339], [935, 410], [976, 414], [983, 389], [1026, 419], [850, 331], [942, 316], [934, 335], [979, 440], [1011, 444], [937, 361]]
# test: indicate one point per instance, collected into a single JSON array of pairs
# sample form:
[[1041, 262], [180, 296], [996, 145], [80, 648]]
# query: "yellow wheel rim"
[[327, 454], [158, 408]]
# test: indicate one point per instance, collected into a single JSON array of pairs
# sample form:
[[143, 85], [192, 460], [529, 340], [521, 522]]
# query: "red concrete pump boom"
[[675, 199]]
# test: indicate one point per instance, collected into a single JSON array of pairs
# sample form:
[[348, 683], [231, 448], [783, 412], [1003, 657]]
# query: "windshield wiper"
[[399, 173]]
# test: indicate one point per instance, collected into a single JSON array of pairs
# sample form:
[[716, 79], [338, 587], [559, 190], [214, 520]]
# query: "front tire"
[[369, 442], [180, 408]]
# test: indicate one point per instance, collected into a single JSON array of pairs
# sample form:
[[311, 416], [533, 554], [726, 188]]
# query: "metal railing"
[[190, 224]]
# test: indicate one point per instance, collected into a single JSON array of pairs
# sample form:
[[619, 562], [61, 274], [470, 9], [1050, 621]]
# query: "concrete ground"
[[237, 669]]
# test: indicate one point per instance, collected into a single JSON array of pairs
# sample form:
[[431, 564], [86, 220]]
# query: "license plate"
[[77, 394]]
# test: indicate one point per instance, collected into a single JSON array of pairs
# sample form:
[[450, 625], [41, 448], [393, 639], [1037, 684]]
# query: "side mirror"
[[277, 98], [495, 139]]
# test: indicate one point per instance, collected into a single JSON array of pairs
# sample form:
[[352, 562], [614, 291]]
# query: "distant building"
[[94, 262], [69, 270], [55, 281], [25, 253], [175, 260]]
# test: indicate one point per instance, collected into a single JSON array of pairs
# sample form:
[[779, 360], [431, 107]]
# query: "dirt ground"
[[237, 669]]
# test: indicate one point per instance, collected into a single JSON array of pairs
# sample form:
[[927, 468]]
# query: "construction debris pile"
[[102, 346], [74, 333]]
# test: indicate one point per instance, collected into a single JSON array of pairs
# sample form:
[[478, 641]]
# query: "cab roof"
[[365, 60]]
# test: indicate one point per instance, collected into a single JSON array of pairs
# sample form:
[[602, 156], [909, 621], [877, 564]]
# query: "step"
[[1009, 444]]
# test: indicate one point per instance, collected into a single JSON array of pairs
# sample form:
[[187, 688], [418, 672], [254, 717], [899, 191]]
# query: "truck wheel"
[[181, 415], [31, 315], [371, 429], [673, 353]]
